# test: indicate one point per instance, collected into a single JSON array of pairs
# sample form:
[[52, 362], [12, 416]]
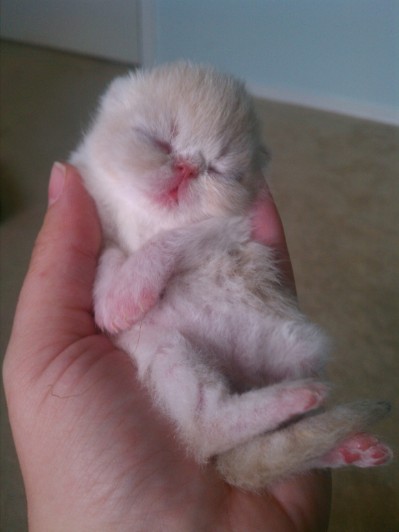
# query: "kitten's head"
[[183, 137]]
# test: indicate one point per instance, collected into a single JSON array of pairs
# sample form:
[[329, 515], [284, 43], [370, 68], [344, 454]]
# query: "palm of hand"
[[107, 452], [94, 453]]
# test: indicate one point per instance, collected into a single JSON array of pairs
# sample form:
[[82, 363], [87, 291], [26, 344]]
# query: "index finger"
[[267, 228]]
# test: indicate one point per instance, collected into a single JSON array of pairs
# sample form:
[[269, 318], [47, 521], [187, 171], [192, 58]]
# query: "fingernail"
[[57, 180]]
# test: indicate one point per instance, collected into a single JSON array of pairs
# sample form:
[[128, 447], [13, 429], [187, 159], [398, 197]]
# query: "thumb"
[[55, 303]]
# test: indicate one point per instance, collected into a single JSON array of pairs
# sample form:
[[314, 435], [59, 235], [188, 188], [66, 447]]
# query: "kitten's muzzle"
[[185, 170]]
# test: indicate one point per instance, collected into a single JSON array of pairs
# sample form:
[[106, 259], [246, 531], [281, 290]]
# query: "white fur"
[[174, 162]]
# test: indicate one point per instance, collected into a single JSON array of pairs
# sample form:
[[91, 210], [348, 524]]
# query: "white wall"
[[341, 55], [104, 28]]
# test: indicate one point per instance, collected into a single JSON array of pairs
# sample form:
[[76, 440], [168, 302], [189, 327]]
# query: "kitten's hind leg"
[[295, 348], [209, 418], [329, 439]]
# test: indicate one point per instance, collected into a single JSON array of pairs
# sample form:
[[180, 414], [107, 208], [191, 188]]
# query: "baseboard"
[[377, 113]]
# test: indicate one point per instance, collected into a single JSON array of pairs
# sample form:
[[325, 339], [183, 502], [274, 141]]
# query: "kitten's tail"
[[314, 441]]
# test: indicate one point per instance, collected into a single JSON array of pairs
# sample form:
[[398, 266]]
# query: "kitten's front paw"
[[361, 450], [118, 311]]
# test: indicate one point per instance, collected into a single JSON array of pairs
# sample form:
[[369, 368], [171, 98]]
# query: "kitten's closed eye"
[[224, 173], [149, 138], [163, 145], [212, 169]]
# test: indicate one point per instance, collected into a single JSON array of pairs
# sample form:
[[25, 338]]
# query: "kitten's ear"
[[117, 88]]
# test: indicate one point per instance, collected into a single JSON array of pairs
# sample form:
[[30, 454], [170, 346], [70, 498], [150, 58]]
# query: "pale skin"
[[94, 453]]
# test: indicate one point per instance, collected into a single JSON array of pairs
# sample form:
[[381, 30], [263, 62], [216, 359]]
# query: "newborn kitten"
[[176, 166]]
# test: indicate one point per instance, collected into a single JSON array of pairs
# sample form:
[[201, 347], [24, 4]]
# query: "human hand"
[[267, 229], [94, 453]]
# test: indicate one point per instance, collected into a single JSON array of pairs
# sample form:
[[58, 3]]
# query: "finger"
[[55, 302], [306, 499], [268, 229]]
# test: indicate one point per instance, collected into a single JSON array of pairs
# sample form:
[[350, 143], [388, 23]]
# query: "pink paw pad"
[[361, 450]]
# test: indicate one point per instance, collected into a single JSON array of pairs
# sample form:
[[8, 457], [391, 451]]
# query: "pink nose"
[[185, 170]]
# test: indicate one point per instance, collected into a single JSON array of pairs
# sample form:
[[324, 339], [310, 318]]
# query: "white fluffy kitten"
[[175, 164]]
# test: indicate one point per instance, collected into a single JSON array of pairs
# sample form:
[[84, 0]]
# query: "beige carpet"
[[336, 181]]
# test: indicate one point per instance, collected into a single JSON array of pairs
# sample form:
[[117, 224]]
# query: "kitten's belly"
[[221, 321]]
